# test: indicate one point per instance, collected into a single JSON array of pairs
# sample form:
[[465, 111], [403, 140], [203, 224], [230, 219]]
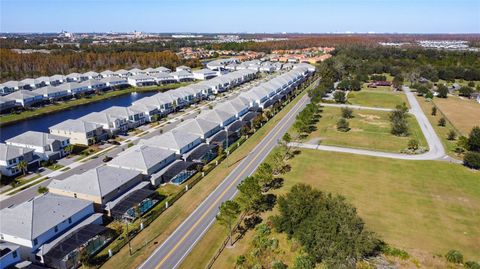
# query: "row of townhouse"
[[31, 147], [98, 126], [28, 98], [55, 80], [233, 64], [54, 228]]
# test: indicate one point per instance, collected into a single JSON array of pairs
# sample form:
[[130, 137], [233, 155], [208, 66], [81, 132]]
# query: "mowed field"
[[425, 206], [377, 98], [464, 114], [442, 132], [369, 130]]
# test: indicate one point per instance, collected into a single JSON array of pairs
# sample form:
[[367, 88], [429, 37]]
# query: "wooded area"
[[19, 66]]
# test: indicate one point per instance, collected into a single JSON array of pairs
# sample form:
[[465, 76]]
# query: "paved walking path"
[[436, 150]]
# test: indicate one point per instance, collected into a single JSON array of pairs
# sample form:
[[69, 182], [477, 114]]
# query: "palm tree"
[[23, 165], [69, 149]]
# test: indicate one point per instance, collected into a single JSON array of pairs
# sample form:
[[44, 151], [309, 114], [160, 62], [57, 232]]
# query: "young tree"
[[347, 112], [434, 110], [473, 141], [23, 165], [227, 215], [265, 174], [451, 135], [343, 125], [442, 91], [465, 91], [250, 193], [472, 159], [398, 120], [429, 95], [397, 82], [355, 85], [442, 122], [340, 97], [344, 85]]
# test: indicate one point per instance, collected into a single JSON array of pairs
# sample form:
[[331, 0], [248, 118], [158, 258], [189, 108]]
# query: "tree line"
[[19, 66]]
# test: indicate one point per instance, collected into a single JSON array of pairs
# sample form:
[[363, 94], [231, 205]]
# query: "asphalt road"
[[436, 150], [173, 250], [81, 167]]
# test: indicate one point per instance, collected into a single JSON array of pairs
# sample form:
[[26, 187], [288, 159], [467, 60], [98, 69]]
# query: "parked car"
[[107, 159]]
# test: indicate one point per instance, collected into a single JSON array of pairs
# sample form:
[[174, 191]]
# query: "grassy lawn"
[[377, 98], [424, 207], [442, 132], [463, 113], [164, 225], [11, 118], [430, 206], [369, 130]]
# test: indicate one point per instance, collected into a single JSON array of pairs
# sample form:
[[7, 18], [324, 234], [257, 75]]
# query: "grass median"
[[174, 216]]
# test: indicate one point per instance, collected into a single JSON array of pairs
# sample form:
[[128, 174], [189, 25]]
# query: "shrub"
[[465, 91], [442, 91], [392, 251], [304, 262], [343, 125], [434, 110], [340, 97], [442, 122], [347, 113], [472, 159], [240, 260], [454, 256], [472, 265], [451, 135], [413, 144], [429, 95]]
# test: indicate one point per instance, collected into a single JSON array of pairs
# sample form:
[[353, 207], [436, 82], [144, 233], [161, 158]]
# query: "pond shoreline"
[[99, 98]]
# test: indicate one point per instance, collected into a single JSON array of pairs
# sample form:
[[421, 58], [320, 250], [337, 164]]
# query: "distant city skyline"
[[241, 16]]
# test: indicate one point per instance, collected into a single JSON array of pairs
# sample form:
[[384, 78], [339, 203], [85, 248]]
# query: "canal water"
[[42, 123]]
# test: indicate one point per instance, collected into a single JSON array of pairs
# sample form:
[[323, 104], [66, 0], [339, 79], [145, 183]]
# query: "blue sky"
[[261, 16]]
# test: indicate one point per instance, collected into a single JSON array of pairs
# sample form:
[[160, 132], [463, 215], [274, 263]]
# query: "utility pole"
[[226, 148], [128, 240]]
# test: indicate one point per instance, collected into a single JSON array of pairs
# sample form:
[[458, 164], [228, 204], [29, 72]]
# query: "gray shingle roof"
[[8, 152], [35, 138], [98, 182], [174, 140], [141, 157], [197, 126], [34, 217], [77, 126]]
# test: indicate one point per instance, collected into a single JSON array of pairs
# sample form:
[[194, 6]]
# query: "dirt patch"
[[369, 117]]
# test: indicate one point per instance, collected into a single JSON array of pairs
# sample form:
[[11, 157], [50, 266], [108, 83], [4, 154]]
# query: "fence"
[[225, 242], [445, 117], [154, 213]]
